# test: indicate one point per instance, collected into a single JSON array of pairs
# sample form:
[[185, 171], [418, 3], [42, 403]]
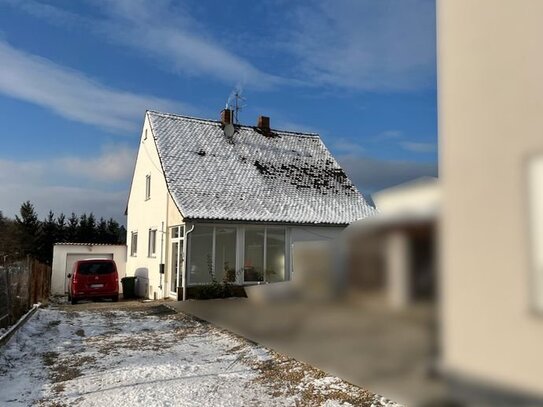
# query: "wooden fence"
[[22, 284]]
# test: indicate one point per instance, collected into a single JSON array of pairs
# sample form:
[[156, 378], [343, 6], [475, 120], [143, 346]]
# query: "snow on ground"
[[154, 357]]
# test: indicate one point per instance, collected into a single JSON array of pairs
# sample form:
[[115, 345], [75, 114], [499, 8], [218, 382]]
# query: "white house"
[[213, 200]]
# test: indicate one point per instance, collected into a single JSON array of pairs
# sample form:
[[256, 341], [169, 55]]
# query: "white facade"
[[66, 254], [150, 208]]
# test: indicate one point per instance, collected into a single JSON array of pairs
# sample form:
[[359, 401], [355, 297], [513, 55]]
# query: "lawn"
[[152, 356]]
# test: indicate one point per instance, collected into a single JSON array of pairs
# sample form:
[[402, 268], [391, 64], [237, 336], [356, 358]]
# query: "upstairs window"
[[148, 187], [152, 243], [134, 244]]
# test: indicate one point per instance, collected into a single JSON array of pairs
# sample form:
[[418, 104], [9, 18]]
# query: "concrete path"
[[387, 353]]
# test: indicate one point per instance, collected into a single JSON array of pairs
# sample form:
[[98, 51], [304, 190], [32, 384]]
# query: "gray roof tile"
[[290, 177]]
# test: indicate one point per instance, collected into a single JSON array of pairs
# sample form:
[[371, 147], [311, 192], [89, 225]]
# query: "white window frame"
[[240, 251], [148, 187], [265, 253], [151, 243], [180, 240], [134, 244]]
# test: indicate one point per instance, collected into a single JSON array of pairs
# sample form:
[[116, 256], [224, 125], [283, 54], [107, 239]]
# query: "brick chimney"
[[263, 123], [226, 117]]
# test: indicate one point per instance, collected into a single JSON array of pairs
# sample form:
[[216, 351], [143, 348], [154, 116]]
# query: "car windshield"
[[99, 267]]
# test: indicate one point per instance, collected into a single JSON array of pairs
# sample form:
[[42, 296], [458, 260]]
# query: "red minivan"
[[93, 278]]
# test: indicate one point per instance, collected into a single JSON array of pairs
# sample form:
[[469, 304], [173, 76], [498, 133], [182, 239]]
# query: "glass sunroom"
[[238, 254]]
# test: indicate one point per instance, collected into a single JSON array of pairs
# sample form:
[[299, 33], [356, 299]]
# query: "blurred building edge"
[[490, 96], [390, 256], [387, 259]]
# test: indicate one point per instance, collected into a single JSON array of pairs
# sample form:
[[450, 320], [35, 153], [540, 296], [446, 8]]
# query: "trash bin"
[[129, 287]]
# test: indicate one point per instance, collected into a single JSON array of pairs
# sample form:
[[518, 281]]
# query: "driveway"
[[146, 354], [387, 352]]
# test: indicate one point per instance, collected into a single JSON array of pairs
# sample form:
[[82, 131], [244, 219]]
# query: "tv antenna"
[[237, 100]]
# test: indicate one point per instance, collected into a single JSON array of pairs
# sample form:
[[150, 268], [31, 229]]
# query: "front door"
[[176, 259]]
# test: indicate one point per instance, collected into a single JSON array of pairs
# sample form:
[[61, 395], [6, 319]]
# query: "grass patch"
[[287, 377]]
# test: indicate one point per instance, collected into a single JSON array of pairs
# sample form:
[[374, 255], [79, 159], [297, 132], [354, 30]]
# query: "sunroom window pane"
[[225, 254], [275, 255], [254, 254], [201, 254]]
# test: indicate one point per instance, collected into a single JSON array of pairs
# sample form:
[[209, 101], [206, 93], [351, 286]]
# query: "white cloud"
[[114, 164], [73, 95], [367, 45], [69, 183], [417, 147], [388, 135], [167, 31], [164, 32], [63, 199], [346, 146], [364, 45], [371, 174]]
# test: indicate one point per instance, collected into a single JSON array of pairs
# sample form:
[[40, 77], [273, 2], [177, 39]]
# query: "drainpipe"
[[161, 270], [184, 279]]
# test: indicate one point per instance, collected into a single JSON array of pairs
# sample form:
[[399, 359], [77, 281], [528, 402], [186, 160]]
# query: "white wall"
[[159, 212], [62, 253], [490, 59], [314, 233], [417, 195]]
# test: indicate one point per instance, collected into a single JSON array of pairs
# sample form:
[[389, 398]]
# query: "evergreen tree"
[[72, 229], [61, 228], [92, 235], [48, 236], [101, 231], [121, 235], [28, 229], [112, 231]]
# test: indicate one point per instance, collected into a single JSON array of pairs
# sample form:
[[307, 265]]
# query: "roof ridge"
[[245, 126]]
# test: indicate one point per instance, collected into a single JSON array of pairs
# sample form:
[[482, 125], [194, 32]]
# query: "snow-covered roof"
[[283, 177]]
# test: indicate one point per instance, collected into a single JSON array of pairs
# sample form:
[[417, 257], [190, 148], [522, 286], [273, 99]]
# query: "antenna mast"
[[238, 104]]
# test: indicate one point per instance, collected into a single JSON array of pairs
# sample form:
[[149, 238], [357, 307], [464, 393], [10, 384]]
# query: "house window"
[[275, 255], [253, 263], [264, 256], [152, 243], [201, 254], [225, 254], [177, 232], [213, 254], [148, 187], [134, 244]]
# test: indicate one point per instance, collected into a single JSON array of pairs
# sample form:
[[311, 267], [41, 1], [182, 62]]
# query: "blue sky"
[[77, 76]]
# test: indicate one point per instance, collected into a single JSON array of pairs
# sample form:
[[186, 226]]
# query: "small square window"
[[175, 232], [178, 232]]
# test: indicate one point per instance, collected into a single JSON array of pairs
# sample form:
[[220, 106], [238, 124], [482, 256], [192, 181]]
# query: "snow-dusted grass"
[[153, 357]]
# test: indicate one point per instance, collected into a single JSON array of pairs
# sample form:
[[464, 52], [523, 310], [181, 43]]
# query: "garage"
[[66, 254]]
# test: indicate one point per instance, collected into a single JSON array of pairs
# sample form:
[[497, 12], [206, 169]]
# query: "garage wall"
[[65, 255]]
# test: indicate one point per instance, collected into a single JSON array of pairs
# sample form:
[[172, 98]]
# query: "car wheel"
[[115, 298], [74, 301]]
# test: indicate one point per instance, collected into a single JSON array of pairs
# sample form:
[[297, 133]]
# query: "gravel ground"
[[134, 353]]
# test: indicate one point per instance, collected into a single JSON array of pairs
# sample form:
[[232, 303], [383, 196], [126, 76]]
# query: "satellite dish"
[[229, 130]]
